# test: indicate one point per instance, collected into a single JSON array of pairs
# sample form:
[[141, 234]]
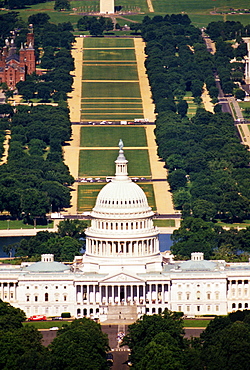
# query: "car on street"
[[37, 318]]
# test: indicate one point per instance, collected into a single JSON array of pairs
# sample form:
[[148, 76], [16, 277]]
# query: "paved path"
[[206, 100], [74, 100], [5, 147], [147, 103], [150, 6], [163, 197], [71, 149]]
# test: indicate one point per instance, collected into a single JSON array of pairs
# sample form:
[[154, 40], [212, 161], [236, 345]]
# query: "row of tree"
[[95, 25], [35, 179], [65, 244], [79, 345], [229, 72], [214, 241], [56, 42], [207, 164], [157, 342], [208, 167]]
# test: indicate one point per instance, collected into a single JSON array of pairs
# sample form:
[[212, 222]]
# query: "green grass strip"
[[100, 136]]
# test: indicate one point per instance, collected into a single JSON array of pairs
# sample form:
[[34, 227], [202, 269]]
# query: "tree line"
[[65, 244], [35, 179], [80, 344], [157, 342], [208, 167], [55, 41]]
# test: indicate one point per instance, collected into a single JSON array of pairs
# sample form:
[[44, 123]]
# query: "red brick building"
[[14, 67]]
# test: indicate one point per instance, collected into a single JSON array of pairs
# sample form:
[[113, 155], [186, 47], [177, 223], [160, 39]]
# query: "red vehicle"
[[37, 318]]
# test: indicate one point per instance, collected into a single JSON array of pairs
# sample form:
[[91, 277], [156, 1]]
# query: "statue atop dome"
[[121, 144]]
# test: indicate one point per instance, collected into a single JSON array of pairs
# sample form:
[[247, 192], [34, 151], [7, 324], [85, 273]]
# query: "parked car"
[[37, 318], [109, 357]]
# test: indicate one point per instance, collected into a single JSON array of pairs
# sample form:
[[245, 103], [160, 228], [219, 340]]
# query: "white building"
[[123, 274], [107, 6]]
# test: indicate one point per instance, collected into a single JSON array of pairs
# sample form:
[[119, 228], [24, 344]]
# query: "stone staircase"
[[122, 312]]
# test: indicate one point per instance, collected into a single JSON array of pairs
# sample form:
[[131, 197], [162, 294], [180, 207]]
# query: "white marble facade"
[[123, 268]]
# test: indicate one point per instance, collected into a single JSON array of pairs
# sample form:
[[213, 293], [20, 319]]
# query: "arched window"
[[233, 305]]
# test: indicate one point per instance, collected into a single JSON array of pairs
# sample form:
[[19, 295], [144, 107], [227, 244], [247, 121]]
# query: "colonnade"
[[140, 247], [122, 294], [122, 226], [8, 291], [238, 288]]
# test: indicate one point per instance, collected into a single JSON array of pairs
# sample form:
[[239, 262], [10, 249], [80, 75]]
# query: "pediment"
[[120, 278]]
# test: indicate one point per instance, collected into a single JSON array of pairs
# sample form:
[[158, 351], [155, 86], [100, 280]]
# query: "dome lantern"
[[121, 165]]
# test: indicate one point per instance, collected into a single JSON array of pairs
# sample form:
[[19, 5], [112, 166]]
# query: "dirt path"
[[71, 150], [147, 103], [74, 100], [5, 147], [163, 196], [207, 100], [150, 6]]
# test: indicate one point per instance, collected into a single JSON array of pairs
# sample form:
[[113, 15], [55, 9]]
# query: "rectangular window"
[[208, 308], [188, 308], [198, 308], [216, 308], [28, 298], [11, 295], [179, 308], [65, 298], [208, 296], [36, 298]]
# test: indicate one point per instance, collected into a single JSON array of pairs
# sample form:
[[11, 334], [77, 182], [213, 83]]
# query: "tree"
[[177, 179], [72, 228], [81, 345], [96, 29], [135, 27], [204, 209], [39, 19], [182, 108], [150, 330], [62, 5], [240, 94], [229, 349], [194, 234], [10, 318], [34, 203], [22, 349]]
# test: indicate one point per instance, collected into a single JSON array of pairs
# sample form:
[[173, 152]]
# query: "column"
[[119, 294], [87, 294], [106, 294]]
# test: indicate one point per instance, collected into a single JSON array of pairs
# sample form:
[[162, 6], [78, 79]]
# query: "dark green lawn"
[[108, 136]]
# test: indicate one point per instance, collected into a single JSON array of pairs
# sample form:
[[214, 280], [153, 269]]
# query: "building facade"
[[123, 274], [14, 66]]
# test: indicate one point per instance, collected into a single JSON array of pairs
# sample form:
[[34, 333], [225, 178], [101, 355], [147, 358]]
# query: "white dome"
[[121, 197]]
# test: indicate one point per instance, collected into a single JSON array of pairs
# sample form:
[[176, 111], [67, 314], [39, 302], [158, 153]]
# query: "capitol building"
[[123, 274]]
